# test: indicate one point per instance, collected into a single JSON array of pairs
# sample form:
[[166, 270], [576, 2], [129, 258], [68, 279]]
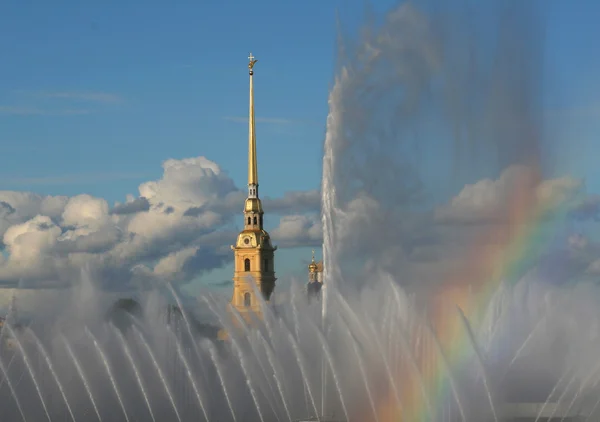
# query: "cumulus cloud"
[[181, 225], [300, 201], [587, 209], [584, 253], [481, 217], [298, 230], [31, 204], [176, 228], [85, 211], [132, 206], [577, 259], [594, 268], [6, 209], [18, 207], [291, 202], [422, 247], [188, 182], [490, 200]]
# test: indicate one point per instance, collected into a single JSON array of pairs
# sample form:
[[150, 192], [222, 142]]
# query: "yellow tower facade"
[[254, 261]]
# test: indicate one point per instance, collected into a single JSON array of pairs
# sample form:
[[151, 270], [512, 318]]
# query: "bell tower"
[[254, 269]]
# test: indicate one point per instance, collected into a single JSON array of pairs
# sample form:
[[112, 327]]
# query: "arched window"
[[255, 221], [249, 220], [247, 299], [246, 264]]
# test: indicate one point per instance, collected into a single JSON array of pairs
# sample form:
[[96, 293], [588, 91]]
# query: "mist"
[[427, 98]]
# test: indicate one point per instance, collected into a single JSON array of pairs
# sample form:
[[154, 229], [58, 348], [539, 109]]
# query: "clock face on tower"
[[246, 241]]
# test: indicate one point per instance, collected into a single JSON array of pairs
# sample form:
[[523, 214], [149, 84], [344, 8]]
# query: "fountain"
[[393, 339], [372, 365]]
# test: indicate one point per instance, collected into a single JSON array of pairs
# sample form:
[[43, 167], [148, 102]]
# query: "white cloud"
[[577, 242], [492, 200], [18, 207], [131, 206], [86, 211], [301, 201], [181, 225], [421, 248], [27, 241], [298, 230], [178, 227], [174, 263], [188, 182], [594, 267]]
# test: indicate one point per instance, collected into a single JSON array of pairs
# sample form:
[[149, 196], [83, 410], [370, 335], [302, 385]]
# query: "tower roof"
[[312, 267], [252, 164]]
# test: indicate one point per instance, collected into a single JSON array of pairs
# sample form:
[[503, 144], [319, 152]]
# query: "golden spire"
[[313, 265], [252, 166]]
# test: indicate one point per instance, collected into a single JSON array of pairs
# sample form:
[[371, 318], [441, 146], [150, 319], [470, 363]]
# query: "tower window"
[[255, 221], [247, 299], [266, 264], [246, 264], [249, 220]]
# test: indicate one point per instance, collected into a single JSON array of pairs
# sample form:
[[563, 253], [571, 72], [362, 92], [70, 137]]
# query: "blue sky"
[[173, 74], [176, 74], [93, 97]]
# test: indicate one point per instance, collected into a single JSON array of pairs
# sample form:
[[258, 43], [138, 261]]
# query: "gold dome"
[[253, 205]]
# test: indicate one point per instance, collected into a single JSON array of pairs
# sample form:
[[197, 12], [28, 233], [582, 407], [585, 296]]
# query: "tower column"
[[254, 265]]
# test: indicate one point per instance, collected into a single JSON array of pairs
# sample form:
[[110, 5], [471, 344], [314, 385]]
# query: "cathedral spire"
[[252, 165], [254, 254], [312, 267]]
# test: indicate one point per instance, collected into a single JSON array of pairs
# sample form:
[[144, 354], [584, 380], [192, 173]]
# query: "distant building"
[[315, 277]]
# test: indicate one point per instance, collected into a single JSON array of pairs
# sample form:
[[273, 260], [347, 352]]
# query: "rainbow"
[[498, 255]]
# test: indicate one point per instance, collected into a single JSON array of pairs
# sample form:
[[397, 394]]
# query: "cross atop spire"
[[251, 62], [312, 267]]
